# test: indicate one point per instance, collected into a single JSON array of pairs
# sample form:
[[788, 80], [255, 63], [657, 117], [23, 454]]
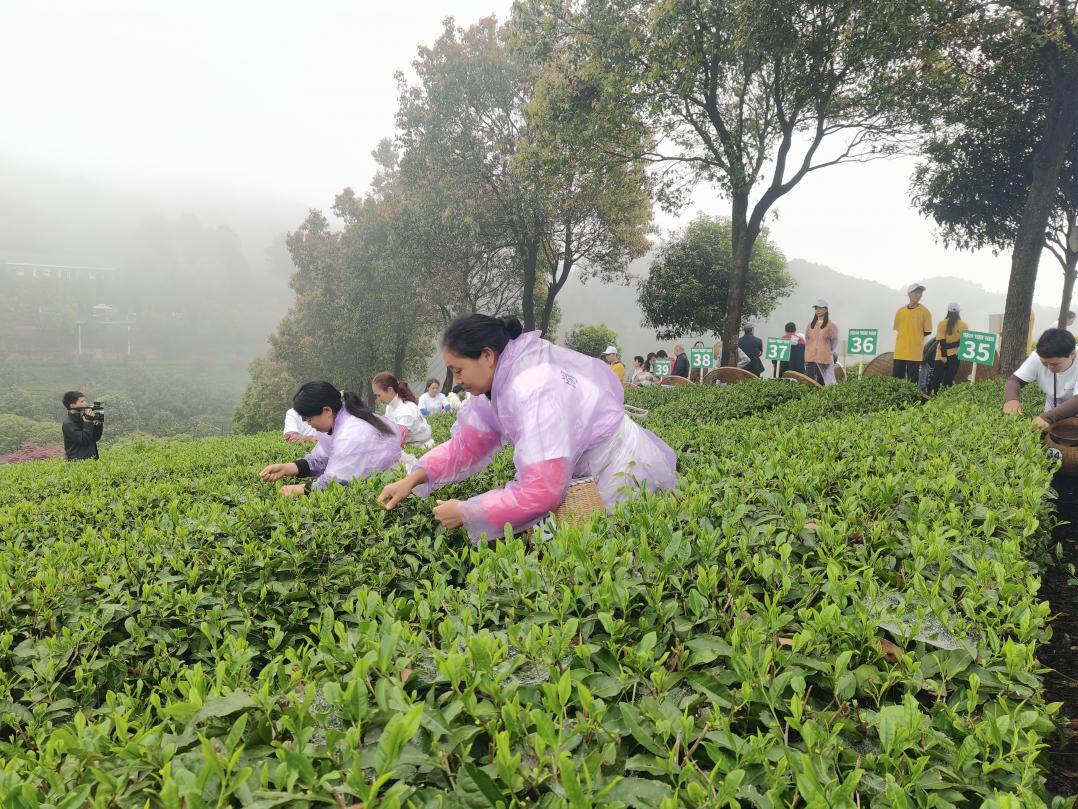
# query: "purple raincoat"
[[353, 450], [564, 414]]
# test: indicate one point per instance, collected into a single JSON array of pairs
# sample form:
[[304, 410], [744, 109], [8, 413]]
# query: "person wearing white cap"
[[821, 340], [948, 335], [913, 323], [610, 355]]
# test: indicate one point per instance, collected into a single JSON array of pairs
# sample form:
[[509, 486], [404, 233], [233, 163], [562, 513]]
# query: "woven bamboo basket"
[[840, 373], [582, 501], [880, 366], [674, 381], [1061, 442], [636, 412], [804, 380], [729, 375]]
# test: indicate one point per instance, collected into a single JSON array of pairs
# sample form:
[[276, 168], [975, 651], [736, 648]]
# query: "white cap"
[[820, 303], [952, 307], [913, 288], [610, 350]]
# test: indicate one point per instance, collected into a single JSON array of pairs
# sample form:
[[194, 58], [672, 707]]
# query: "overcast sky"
[[286, 100]]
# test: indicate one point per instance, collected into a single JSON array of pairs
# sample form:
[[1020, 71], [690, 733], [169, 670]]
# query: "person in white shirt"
[[433, 400], [402, 409], [1052, 365], [296, 429], [458, 398], [641, 375]]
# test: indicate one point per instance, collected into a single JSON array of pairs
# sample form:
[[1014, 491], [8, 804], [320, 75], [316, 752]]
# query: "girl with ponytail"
[[353, 441], [563, 413], [401, 409]]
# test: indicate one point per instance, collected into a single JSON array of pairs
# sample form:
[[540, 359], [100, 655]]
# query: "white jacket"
[[407, 415], [294, 423]]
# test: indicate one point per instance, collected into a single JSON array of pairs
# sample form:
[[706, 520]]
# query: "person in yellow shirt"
[[616, 365], [948, 334], [913, 322]]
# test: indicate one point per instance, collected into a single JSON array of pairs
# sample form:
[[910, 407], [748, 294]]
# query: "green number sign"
[[778, 350], [661, 367], [701, 358], [978, 347], [862, 342]]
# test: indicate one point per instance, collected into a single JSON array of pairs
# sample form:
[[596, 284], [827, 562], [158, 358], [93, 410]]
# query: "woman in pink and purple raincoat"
[[562, 412], [353, 442]]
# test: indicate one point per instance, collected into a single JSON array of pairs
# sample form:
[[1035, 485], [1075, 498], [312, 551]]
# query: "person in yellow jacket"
[[948, 335], [913, 322], [610, 357]]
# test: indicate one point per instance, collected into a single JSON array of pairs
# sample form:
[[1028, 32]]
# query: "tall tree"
[[490, 120], [752, 95], [687, 288], [976, 171], [1050, 27], [1003, 101], [357, 311]]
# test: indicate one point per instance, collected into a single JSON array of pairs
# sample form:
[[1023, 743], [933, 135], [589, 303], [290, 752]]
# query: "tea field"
[[838, 607]]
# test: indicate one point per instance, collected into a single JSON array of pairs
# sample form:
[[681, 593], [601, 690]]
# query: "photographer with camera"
[[82, 427]]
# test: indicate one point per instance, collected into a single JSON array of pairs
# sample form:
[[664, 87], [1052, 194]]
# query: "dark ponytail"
[[468, 335], [952, 320], [387, 381], [312, 397]]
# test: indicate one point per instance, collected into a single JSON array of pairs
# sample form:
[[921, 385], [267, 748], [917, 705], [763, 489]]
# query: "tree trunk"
[[1069, 273], [1059, 128], [527, 303], [742, 243]]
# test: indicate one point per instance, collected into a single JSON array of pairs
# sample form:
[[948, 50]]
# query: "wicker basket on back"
[[728, 375], [804, 380], [1062, 444], [840, 373], [880, 366], [674, 381]]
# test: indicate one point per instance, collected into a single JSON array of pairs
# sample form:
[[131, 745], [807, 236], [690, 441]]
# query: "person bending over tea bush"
[[1053, 367], [563, 413], [353, 442]]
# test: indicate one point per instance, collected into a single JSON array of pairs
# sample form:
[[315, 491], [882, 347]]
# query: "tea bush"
[[832, 612]]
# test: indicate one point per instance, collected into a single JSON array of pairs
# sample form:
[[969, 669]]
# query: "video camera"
[[92, 413]]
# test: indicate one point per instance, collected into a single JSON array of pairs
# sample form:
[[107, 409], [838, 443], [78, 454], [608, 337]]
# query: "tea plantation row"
[[837, 607]]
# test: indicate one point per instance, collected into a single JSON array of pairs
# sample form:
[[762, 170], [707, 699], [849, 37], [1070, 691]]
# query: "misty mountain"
[[854, 303]]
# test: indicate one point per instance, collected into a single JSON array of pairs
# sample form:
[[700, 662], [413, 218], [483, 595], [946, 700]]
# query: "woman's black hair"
[[952, 320], [639, 359], [468, 335], [312, 397], [662, 354], [1055, 343], [826, 320], [431, 381]]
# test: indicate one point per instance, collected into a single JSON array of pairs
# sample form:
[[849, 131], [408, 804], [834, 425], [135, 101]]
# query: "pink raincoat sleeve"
[[537, 405], [474, 440]]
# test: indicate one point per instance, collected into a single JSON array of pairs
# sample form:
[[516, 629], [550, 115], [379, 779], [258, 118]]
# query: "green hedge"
[[16, 431], [832, 613]]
